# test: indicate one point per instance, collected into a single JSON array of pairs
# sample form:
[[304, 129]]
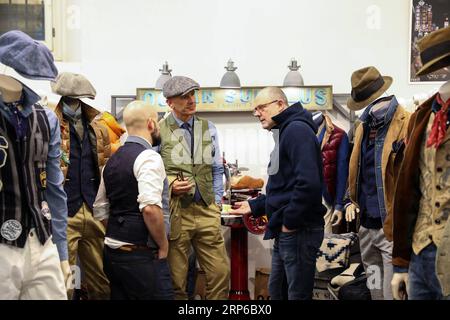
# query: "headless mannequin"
[[11, 91], [336, 217], [400, 280], [379, 109]]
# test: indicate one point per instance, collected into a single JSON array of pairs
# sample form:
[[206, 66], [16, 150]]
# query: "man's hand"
[[399, 286], [67, 273], [163, 251], [286, 230], [336, 218], [241, 208], [181, 187], [351, 212]]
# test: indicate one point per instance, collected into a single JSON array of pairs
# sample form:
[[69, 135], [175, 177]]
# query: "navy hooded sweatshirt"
[[294, 190]]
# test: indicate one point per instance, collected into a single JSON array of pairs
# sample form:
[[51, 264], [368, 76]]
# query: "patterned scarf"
[[439, 127]]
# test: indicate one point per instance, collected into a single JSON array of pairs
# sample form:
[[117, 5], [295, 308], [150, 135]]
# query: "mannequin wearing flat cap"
[[191, 156], [421, 253], [85, 149], [33, 203], [374, 164]]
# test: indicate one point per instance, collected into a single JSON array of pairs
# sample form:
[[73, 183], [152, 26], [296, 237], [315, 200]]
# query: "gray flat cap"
[[73, 85], [178, 86]]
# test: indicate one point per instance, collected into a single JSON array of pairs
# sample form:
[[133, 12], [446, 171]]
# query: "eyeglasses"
[[261, 107]]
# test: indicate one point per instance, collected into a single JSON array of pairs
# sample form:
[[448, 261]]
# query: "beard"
[[156, 139]]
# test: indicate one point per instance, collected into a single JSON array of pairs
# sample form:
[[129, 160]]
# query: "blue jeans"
[[423, 282], [163, 280], [137, 275], [294, 257]]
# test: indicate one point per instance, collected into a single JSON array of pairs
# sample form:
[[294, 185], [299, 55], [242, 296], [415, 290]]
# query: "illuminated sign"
[[219, 100]]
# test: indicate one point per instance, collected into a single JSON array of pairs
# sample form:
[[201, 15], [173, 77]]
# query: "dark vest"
[[82, 178], [329, 156], [125, 222], [23, 178]]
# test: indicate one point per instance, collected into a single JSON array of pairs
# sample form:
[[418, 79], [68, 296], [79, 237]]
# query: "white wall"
[[120, 45]]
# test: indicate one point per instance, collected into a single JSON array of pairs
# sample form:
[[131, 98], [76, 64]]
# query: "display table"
[[240, 226], [239, 257]]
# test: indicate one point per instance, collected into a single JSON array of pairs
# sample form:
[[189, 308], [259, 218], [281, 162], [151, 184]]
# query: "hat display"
[[367, 85], [28, 57], [178, 86], [73, 85], [434, 51]]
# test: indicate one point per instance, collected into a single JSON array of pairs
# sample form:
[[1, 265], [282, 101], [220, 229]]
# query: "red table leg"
[[239, 264]]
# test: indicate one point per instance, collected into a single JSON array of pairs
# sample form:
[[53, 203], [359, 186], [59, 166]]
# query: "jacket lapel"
[[395, 128]]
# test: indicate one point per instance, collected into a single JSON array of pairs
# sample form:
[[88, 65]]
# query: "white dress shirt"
[[150, 174]]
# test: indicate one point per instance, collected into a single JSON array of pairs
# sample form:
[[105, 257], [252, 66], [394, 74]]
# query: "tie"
[[439, 127], [189, 136]]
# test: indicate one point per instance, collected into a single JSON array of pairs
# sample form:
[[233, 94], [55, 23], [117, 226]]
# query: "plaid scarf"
[[439, 127]]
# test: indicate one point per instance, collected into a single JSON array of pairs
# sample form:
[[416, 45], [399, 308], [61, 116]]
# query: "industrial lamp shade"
[[230, 79], [293, 78], [165, 75]]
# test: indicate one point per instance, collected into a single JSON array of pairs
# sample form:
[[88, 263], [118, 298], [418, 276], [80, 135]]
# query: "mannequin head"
[[141, 120], [444, 91], [73, 103], [268, 103], [10, 89]]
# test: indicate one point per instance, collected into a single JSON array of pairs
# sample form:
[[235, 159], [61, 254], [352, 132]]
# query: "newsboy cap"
[[28, 57], [178, 86], [73, 85]]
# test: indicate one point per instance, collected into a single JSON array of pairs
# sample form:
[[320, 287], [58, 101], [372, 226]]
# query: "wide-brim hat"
[[367, 85], [434, 51], [73, 85], [28, 57]]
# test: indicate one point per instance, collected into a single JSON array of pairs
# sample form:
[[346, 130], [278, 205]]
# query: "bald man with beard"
[[130, 200], [293, 201]]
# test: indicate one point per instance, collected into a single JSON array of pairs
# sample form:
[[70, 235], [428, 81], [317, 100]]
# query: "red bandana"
[[439, 127]]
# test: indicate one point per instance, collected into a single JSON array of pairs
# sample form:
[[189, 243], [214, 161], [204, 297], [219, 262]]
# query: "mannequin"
[[373, 168], [400, 281], [85, 148], [335, 146], [12, 91]]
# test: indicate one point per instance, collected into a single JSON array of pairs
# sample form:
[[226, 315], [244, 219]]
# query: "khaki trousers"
[[201, 228], [85, 237]]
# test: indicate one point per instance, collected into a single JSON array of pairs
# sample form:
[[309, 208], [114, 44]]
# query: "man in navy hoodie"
[[293, 200]]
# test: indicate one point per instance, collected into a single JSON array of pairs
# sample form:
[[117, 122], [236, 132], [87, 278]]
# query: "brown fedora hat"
[[367, 85], [434, 51]]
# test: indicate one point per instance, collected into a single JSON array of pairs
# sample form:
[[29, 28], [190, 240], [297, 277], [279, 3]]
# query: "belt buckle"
[[126, 248]]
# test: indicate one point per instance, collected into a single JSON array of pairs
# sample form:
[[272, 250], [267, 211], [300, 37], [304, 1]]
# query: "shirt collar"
[[180, 122], [29, 98], [139, 140], [74, 116], [366, 116]]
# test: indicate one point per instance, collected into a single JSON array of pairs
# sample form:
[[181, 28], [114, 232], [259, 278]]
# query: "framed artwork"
[[427, 16], [118, 102]]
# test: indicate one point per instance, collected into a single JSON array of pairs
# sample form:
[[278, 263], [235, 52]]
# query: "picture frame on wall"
[[118, 103], [426, 16]]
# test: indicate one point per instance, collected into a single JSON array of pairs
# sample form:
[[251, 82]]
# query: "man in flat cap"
[[191, 156]]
